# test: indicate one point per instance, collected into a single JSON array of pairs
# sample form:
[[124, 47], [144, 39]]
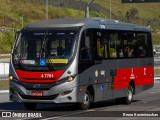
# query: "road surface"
[[146, 101]]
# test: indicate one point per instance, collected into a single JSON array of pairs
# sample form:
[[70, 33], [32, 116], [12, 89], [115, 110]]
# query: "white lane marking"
[[57, 117], [155, 89], [4, 91], [155, 92], [67, 115], [61, 116], [156, 78]]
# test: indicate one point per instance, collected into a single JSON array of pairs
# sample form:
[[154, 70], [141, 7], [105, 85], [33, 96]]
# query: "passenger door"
[[104, 69]]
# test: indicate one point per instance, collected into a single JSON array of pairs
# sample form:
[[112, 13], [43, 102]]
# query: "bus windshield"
[[55, 46]]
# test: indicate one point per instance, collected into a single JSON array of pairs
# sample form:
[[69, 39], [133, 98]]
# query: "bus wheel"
[[86, 101], [30, 106], [128, 99]]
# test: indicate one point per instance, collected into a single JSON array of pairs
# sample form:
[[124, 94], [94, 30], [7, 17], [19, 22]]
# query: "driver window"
[[85, 46]]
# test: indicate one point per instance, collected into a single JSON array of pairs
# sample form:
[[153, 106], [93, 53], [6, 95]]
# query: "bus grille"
[[40, 89], [39, 97]]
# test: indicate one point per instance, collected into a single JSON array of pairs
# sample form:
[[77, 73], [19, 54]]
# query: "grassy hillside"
[[145, 10], [12, 12]]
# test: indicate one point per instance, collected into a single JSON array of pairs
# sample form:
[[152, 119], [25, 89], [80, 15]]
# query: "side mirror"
[[17, 34]]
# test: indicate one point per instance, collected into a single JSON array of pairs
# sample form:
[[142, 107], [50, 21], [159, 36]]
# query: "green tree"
[[133, 14], [128, 16]]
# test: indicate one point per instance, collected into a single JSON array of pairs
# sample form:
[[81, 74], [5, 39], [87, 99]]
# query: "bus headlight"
[[10, 77], [68, 79]]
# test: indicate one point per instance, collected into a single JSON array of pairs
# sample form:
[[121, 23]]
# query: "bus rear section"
[[118, 65]]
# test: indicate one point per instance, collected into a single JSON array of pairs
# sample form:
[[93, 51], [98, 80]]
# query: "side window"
[[100, 48], [113, 43], [119, 45], [149, 46], [85, 45], [130, 45], [144, 45]]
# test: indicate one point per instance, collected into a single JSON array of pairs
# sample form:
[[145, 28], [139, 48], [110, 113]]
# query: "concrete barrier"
[[4, 68]]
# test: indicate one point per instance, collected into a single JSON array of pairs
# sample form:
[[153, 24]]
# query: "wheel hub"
[[129, 95], [86, 99]]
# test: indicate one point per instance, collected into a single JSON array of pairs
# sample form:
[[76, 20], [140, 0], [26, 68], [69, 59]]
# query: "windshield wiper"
[[61, 57], [44, 53]]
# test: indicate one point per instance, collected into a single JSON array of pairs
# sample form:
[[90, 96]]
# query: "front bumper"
[[19, 93]]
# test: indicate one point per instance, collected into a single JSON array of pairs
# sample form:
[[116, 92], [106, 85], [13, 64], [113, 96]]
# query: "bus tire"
[[86, 101], [128, 99], [30, 106]]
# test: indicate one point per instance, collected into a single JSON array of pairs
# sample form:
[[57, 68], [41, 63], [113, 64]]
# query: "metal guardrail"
[[7, 55], [7, 29], [4, 58], [4, 68]]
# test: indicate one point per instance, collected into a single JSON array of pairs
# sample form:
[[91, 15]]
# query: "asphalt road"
[[146, 101]]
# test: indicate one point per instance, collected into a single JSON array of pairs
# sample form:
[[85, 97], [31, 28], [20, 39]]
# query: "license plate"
[[36, 93]]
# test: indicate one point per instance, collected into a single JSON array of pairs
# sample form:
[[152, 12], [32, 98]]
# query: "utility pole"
[[87, 8], [110, 10], [46, 9]]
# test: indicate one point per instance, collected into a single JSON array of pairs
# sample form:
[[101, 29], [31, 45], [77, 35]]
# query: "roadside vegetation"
[[156, 37], [12, 12], [16, 13], [156, 71], [4, 84]]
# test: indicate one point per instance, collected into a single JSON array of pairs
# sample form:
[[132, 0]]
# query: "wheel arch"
[[91, 90], [132, 84]]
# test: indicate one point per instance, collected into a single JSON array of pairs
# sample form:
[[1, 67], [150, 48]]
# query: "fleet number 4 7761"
[[47, 76]]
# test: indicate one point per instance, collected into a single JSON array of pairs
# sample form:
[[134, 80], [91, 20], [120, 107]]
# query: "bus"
[[80, 60]]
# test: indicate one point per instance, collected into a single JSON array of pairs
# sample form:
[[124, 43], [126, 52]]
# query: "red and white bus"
[[80, 61]]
